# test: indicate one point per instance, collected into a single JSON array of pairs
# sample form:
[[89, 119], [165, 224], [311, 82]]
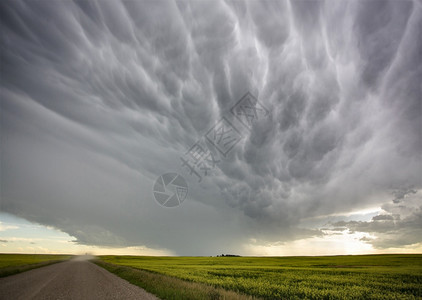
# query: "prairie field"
[[395, 276], [16, 263]]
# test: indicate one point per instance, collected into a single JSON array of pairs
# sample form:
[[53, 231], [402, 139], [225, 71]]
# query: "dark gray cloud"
[[400, 194], [101, 97]]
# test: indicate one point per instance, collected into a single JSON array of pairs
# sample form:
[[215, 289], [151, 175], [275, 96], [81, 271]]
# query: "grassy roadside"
[[11, 264], [167, 287]]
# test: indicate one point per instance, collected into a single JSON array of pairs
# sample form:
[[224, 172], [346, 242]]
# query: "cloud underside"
[[100, 98]]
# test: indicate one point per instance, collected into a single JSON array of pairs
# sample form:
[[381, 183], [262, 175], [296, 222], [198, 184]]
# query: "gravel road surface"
[[74, 279]]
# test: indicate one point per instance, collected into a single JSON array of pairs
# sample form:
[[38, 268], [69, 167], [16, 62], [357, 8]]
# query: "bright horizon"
[[18, 232]]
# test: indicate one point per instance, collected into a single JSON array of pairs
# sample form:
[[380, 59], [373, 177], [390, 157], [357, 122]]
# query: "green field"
[[16, 263], [336, 277]]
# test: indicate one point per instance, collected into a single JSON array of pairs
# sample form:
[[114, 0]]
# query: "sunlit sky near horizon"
[[308, 115], [20, 236]]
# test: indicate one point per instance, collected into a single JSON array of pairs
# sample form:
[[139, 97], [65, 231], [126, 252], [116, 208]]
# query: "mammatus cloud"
[[100, 98]]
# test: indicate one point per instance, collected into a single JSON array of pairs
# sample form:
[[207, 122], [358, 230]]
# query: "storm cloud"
[[99, 98]]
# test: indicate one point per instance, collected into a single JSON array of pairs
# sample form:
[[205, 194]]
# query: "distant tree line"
[[228, 255]]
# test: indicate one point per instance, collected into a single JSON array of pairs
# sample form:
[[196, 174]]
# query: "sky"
[[295, 125]]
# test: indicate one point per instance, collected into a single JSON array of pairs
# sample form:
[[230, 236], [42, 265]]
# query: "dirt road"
[[74, 279]]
